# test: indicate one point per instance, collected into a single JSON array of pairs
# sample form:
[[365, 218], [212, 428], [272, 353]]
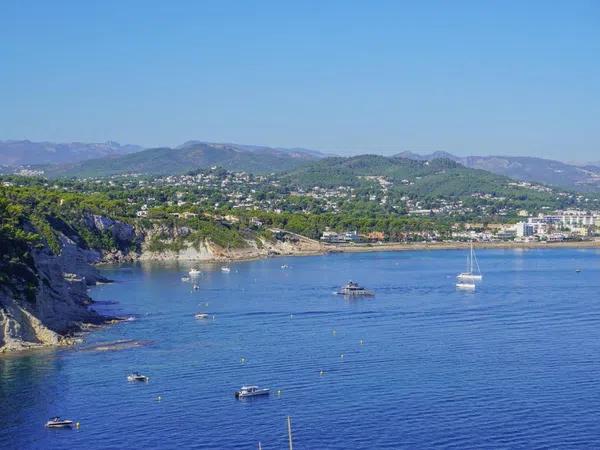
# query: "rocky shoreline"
[[51, 311], [209, 255]]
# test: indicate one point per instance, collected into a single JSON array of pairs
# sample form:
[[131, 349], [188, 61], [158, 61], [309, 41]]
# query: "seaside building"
[[332, 237]]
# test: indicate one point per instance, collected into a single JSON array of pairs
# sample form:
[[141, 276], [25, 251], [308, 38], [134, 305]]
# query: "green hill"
[[438, 175], [421, 180]]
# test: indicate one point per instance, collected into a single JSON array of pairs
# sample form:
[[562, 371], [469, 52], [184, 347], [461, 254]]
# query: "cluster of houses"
[[560, 226]]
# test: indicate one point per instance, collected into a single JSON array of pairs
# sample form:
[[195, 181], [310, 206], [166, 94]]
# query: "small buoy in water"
[[279, 392], [77, 425], [242, 360], [361, 342], [159, 398], [342, 356], [322, 372], [333, 332]]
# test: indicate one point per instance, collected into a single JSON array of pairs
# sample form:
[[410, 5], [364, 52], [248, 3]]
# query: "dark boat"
[[136, 376]]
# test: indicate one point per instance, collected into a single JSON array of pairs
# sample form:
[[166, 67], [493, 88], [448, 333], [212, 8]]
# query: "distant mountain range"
[[22, 153], [189, 156], [579, 178]]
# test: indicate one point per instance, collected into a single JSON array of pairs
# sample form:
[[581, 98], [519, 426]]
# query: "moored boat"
[[57, 422], [471, 274], [355, 290], [136, 376], [225, 269], [251, 391], [465, 286], [194, 272], [201, 316]]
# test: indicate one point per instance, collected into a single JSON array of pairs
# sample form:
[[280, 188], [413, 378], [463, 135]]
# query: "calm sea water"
[[514, 365]]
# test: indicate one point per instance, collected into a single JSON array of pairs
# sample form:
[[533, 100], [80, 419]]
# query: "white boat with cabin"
[[355, 290], [251, 391], [57, 422]]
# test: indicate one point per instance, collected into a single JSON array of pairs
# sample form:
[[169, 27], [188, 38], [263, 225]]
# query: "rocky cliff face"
[[45, 301], [55, 304], [207, 251]]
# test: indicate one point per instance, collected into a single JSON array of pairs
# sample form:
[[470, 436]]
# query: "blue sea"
[[515, 364]]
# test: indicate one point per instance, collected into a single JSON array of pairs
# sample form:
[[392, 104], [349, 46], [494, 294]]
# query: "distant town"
[[354, 212]]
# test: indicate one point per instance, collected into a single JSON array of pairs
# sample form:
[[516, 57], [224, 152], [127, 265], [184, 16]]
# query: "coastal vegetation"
[[402, 198]]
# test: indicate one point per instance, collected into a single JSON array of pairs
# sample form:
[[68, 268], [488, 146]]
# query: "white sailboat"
[[465, 285], [472, 264]]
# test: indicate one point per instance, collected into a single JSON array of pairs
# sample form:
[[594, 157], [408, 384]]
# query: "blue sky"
[[469, 77]]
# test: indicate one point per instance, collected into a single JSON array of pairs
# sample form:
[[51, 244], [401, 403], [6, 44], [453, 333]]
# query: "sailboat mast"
[[468, 262], [471, 259]]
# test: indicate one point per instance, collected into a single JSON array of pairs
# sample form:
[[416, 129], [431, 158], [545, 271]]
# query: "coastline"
[[399, 246], [324, 249], [77, 335]]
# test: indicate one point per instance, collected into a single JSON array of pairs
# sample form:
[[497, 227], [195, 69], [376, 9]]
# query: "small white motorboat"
[[201, 316], [225, 269], [251, 391], [465, 286], [57, 422], [136, 376], [185, 279], [194, 272], [285, 266]]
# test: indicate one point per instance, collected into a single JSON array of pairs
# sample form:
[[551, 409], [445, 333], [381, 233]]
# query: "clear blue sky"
[[477, 77]]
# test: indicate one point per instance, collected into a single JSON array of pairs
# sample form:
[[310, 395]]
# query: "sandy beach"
[[401, 246]]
